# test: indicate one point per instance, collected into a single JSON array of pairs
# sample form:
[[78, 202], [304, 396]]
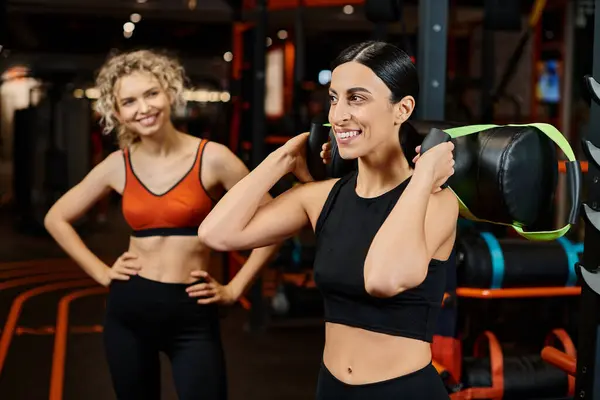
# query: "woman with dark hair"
[[384, 233]]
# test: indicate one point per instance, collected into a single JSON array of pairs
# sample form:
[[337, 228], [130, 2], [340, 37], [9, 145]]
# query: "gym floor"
[[37, 359]]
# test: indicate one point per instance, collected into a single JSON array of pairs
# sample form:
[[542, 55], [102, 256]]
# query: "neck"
[[162, 143], [382, 170]]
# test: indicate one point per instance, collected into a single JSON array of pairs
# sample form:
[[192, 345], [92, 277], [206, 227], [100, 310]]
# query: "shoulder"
[[311, 192], [313, 196], [317, 189], [218, 155], [110, 171], [114, 161], [221, 165]]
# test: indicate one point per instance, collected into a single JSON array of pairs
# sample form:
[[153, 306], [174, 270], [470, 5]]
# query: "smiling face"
[[142, 105], [361, 113]]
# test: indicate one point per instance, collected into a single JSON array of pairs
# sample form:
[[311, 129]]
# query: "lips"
[[345, 136], [148, 121]]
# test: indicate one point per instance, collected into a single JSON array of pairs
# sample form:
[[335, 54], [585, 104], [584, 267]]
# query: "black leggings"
[[145, 317], [419, 385]]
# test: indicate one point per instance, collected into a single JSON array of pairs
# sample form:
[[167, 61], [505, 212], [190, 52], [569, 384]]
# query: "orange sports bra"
[[177, 212]]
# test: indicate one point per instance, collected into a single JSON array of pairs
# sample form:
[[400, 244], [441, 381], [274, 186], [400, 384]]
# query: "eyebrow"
[[353, 90], [146, 92]]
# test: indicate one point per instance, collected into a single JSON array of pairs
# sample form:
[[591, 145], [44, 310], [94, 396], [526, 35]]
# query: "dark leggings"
[[419, 385], [145, 317]]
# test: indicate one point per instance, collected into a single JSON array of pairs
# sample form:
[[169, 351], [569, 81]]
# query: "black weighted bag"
[[485, 262], [320, 133]]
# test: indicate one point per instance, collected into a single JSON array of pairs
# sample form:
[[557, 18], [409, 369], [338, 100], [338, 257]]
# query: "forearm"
[[236, 209], [258, 259], [398, 255], [68, 239]]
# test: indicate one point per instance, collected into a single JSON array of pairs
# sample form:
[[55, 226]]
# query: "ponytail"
[[409, 140]]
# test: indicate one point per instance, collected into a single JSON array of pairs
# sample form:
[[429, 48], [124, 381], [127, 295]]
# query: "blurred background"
[[480, 61]]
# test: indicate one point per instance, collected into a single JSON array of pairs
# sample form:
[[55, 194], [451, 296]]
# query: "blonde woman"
[[161, 297]]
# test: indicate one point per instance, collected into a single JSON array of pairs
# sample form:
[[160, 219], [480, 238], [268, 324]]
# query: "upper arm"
[[440, 224], [276, 220], [283, 217], [96, 184]]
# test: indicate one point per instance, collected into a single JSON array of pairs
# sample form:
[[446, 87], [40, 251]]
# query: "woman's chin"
[[149, 131], [347, 154]]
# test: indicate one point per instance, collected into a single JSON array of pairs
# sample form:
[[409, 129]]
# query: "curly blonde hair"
[[167, 70]]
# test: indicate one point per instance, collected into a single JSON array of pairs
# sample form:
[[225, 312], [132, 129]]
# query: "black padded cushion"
[[506, 174]]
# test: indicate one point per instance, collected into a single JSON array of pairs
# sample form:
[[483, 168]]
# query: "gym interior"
[[519, 318]]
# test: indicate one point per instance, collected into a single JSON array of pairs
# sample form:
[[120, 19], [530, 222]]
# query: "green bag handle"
[[573, 175]]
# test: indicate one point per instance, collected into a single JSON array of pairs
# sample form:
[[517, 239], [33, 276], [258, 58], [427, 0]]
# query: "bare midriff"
[[357, 356], [170, 259]]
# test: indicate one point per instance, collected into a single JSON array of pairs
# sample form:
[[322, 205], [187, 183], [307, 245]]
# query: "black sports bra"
[[344, 232]]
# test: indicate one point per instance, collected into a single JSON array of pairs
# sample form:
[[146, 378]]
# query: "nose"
[[339, 114], [143, 107]]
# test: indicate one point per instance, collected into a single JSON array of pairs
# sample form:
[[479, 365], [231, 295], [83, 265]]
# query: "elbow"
[[50, 220], [380, 287], [214, 240], [390, 285], [379, 284], [47, 221]]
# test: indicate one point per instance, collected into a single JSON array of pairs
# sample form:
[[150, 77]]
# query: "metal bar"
[[562, 203], [588, 353], [431, 61], [258, 86], [300, 44], [224, 136], [258, 311], [3, 23], [278, 5], [488, 66], [299, 64], [594, 128]]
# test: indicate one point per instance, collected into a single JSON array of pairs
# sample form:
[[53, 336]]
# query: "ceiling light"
[[228, 56], [92, 93], [141, 1], [269, 41], [348, 9], [128, 27], [324, 77], [135, 18], [282, 34], [127, 35]]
